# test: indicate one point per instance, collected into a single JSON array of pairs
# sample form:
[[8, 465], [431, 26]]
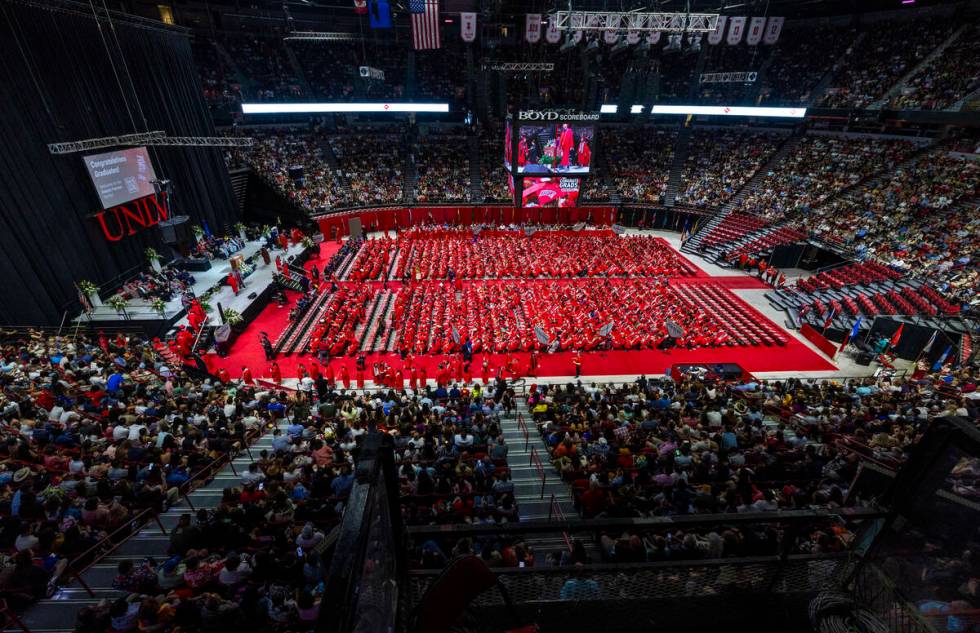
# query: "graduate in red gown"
[[275, 373], [584, 153], [247, 376], [423, 377], [458, 370], [104, 342], [184, 341], [566, 141], [345, 376], [223, 375], [329, 375], [233, 282], [413, 380], [360, 378], [467, 374], [283, 240], [533, 368], [485, 371], [399, 380], [314, 371]]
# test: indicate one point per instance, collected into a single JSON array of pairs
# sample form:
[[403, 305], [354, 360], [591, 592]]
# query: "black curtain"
[[58, 83]]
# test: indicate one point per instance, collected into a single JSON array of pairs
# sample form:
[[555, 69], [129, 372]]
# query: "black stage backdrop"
[[57, 84]]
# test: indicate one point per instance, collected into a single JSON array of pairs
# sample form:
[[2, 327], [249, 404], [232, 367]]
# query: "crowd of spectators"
[[720, 162], [722, 58], [888, 51], [921, 219], [492, 171], [166, 284], [264, 63], [443, 168], [372, 164], [819, 167], [275, 151], [638, 162], [94, 432], [801, 59], [221, 89], [702, 445], [952, 75]]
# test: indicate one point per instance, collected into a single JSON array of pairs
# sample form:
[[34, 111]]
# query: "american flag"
[[425, 23]]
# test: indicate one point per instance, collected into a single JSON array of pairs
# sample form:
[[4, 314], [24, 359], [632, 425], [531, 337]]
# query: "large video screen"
[[121, 176], [550, 192], [555, 148]]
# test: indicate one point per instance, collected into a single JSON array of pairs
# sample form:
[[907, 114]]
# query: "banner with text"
[[532, 28], [756, 27], [736, 28], [467, 26]]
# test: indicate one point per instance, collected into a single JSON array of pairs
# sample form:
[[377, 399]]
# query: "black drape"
[[57, 84]]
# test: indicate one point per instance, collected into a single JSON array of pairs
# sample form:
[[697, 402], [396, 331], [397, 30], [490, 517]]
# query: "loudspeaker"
[[864, 358], [175, 230], [295, 172], [354, 227], [253, 295]]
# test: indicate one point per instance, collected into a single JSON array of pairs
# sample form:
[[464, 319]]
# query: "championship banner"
[[532, 28], [756, 27], [552, 35], [773, 28], [714, 37], [736, 27], [653, 38], [467, 26], [632, 37], [611, 37]]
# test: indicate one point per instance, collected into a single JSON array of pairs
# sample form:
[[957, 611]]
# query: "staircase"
[[372, 331], [410, 173], [57, 614], [693, 244], [290, 283], [239, 184], [290, 339], [896, 89], [476, 173], [345, 266], [681, 147]]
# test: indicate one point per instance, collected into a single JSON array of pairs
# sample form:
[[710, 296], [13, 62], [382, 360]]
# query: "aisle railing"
[[536, 462]]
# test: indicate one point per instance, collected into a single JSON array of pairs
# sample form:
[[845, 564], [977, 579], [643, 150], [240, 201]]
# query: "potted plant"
[[233, 317], [205, 304], [154, 257], [118, 303], [307, 241], [159, 306], [91, 291], [198, 232], [240, 227]]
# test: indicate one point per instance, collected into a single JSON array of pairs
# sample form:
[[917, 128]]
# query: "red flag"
[[897, 336], [360, 7]]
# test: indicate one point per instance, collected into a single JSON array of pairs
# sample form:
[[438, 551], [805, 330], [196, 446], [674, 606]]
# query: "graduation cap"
[[674, 330], [607, 328]]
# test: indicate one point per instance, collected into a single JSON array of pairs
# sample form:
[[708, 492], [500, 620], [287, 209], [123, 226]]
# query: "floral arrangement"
[[117, 302], [198, 231], [240, 227], [233, 317], [159, 305], [87, 287], [152, 254]]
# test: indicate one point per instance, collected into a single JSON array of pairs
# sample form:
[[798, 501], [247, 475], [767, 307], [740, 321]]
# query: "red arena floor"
[[504, 285]]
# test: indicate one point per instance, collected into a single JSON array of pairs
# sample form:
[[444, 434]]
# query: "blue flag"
[[942, 359], [380, 14], [857, 325]]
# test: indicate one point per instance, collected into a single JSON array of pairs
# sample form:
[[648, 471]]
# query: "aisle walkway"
[[57, 614]]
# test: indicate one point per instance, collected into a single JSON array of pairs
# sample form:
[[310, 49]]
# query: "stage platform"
[[797, 358], [139, 310]]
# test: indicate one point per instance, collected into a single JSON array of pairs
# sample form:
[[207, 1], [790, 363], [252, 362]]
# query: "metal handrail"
[[522, 427], [554, 509], [536, 462]]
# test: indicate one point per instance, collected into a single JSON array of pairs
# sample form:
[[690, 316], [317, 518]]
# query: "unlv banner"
[[552, 35], [736, 27], [611, 37], [714, 37], [653, 38], [467, 26], [532, 28], [773, 28], [632, 37], [754, 36]]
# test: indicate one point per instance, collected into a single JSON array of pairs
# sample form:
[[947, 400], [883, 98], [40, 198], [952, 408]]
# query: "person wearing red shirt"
[[247, 376], [584, 153], [566, 141], [275, 373], [577, 361], [345, 376], [233, 283]]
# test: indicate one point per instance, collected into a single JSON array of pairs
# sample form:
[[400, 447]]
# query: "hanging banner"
[[532, 28], [612, 21], [360, 7], [467, 26], [653, 38], [632, 37], [736, 27], [773, 28], [756, 27], [552, 35], [714, 37]]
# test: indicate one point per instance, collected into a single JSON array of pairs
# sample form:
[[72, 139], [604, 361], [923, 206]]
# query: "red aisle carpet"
[[795, 356]]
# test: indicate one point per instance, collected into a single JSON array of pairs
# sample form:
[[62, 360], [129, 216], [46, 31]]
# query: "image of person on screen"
[[566, 141], [532, 156], [584, 153]]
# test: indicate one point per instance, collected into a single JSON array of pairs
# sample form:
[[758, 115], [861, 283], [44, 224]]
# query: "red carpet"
[[795, 356]]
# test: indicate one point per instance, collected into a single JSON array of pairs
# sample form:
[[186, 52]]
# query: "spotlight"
[[673, 43], [568, 45]]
